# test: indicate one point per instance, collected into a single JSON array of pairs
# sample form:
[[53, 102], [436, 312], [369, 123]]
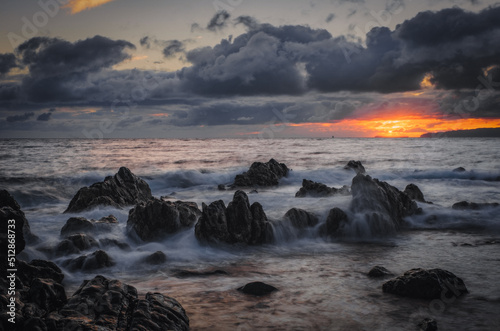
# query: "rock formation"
[[262, 174], [314, 189]]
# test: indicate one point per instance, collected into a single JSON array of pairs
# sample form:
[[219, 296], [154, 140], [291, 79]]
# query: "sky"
[[242, 68]]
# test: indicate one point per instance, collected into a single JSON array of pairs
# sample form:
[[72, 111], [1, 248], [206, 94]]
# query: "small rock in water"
[[428, 324], [378, 272], [221, 187], [262, 174], [257, 288], [314, 189], [459, 169], [356, 166], [414, 192], [300, 218], [156, 258], [465, 205]]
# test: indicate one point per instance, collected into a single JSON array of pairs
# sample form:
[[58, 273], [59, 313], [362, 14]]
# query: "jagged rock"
[[335, 221], [262, 174], [465, 205], [75, 244], [82, 225], [156, 258], [383, 205], [10, 210], [356, 166], [378, 272], [413, 191], [426, 284], [257, 288], [155, 219], [103, 304], [122, 189], [113, 242], [428, 324], [97, 260], [300, 218], [221, 187], [459, 169], [47, 294], [238, 223], [313, 189]]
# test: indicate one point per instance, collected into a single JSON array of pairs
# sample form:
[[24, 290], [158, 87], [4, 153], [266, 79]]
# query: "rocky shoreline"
[[108, 304]]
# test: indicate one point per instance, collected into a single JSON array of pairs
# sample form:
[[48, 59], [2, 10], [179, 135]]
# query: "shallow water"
[[322, 284]]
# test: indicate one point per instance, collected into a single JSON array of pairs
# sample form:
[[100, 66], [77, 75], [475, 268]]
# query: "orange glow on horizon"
[[76, 6]]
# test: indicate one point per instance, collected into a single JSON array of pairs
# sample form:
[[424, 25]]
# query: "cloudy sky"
[[247, 68]]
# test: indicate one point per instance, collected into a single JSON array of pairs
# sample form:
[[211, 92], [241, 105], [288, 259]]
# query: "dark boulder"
[[182, 273], [82, 225], [221, 187], [156, 258], [12, 218], [75, 244], [262, 174], [97, 260], [426, 284], [106, 242], [428, 324], [335, 221], [300, 218], [238, 223], [47, 294], [122, 189], [257, 289], [413, 191], [356, 166], [465, 205], [459, 169], [379, 272], [383, 205], [155, 219], [314, 189]]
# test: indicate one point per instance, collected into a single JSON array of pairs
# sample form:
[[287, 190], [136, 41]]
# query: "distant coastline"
[[475, 133]]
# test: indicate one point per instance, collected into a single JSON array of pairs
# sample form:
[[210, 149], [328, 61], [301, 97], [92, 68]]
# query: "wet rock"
[[113, 242], [262, 174], [75, 244], [426, 284], [197, 273], [465, 205], [76, 225], [238, 223], [413, 191], [10, 210], [356, 166], [383, 205], [156, 219], [156, 258], [97, 260], [257, 289], [428, 324], [122, 189], [47, 294], [335, 221], [314, 189], [378, 272], [300, 218], [459, 169], [221, 187]]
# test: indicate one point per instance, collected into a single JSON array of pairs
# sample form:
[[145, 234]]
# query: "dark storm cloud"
[[44, 117], [218, 21], [170, 48], [20, 118], [248, 21], [7, 62]]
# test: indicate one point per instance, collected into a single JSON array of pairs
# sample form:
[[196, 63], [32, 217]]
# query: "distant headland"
[[475, 133]]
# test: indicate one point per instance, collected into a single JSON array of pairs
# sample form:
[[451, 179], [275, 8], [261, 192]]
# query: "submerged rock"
[[378, 272], [76, 225], [426, 284], [262, 174], [356, 166], [300, 218], [257, 288], [459, 169], [413, 191], [313, 189], [383, 205], [238, 223], [465, 205], [335, 221], [155, 219], [75, 244], [156, 258], [199, 273], [97, 260], [122, 189]]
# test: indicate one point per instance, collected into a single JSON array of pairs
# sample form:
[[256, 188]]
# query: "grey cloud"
[[7, 62], [330, 18], [218, 21], [248, 21], [20, 118], [170, 48], [44, 117]]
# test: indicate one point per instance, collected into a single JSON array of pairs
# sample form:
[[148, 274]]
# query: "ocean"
[[323, 284]]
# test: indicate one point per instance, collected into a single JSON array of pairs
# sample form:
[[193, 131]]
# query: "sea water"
[[322, 283]]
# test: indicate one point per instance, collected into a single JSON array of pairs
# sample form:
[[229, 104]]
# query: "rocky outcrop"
[[122, 189], [97, 260], [356, 166], [12, 218], [82, 225], [238, 223], [257, 289], [426, 284], [300, 219], [379, 272], [262, 174], [155, 219], [75, 244], [335, 222], [314, 189], [465, 205], [413, 191], [428, 324], [383, 205]]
